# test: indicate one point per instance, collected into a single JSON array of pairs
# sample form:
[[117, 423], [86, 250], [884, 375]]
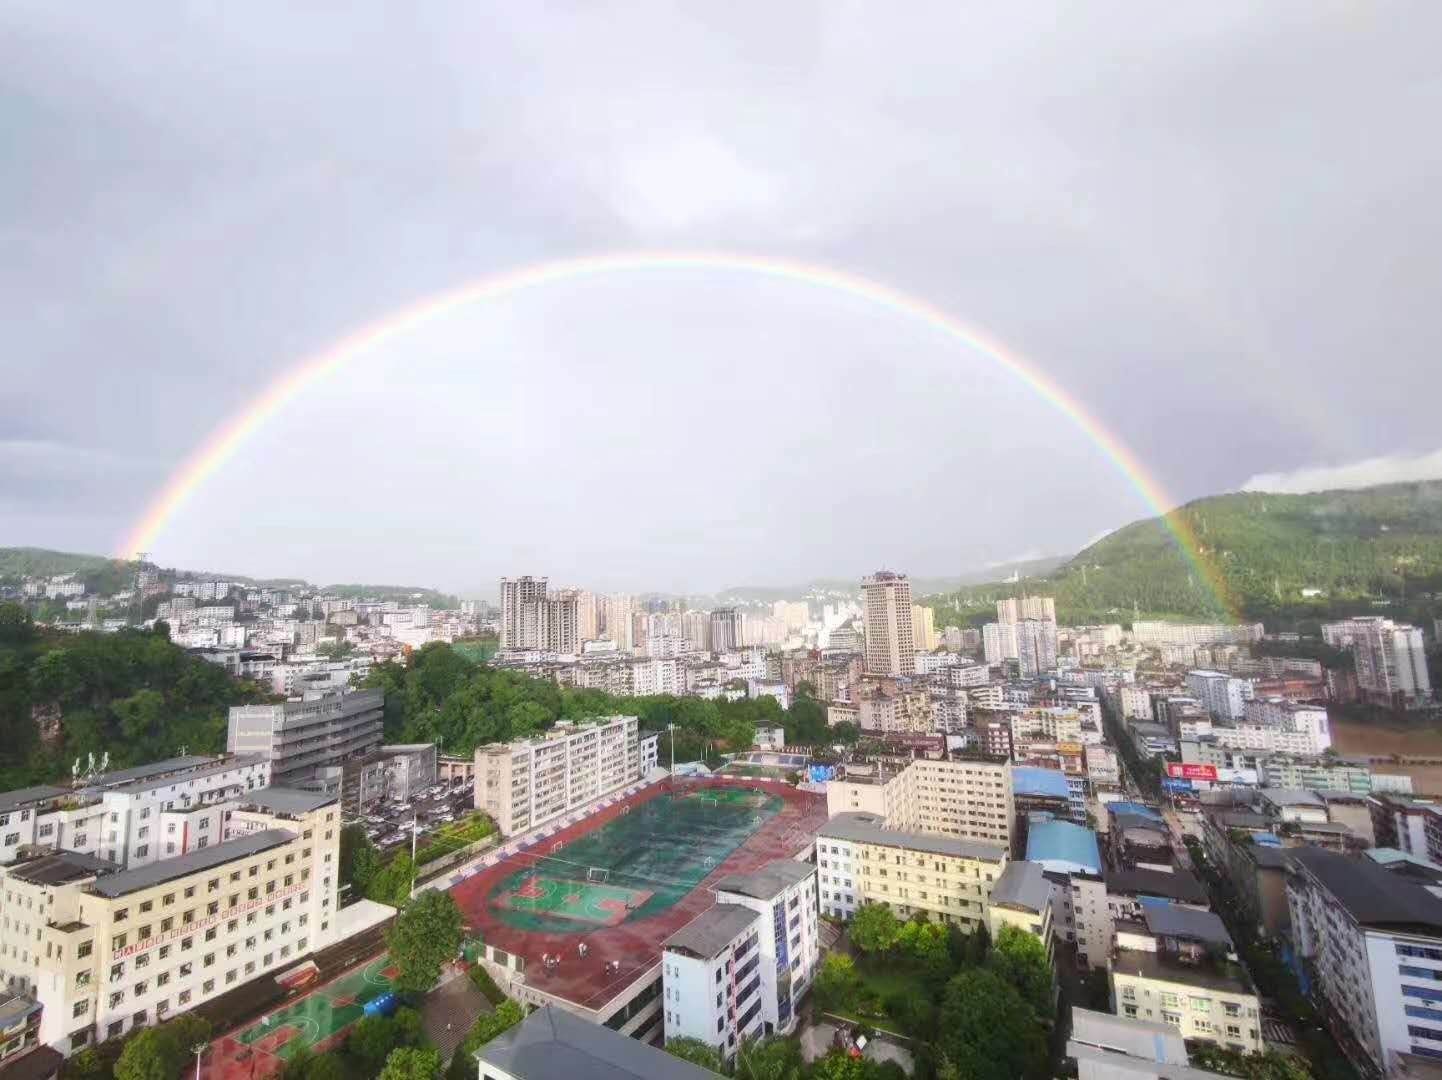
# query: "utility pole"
[[672, 729], [415, 832]]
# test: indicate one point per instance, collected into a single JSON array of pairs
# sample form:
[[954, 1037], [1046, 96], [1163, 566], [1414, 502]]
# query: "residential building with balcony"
[[526, 783], [859, 860], [106, 950]]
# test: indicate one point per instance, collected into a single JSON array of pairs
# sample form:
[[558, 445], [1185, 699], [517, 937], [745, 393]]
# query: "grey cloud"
[[1214, 226]]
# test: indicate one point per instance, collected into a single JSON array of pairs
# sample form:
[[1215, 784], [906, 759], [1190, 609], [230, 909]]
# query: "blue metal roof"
[[1030, 780], [1063, 846], [1133, 808]]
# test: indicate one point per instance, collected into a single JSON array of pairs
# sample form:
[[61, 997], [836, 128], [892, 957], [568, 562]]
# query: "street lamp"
[[198, 1049], [415, 832], [672, 729]]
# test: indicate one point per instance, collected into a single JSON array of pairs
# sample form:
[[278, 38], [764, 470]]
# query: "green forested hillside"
[[1375, 549], [133, 694], [441, 696]]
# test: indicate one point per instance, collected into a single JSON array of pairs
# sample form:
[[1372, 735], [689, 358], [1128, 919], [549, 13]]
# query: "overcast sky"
[[1216, 225]]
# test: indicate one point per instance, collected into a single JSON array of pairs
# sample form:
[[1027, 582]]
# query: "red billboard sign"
[[1180, 770]]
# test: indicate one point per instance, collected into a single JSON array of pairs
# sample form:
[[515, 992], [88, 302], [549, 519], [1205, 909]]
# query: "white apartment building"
[[1270, 740], [528, 782], [524, 614], [1136, 703], [158, 811], [1036, 647], [105, 951], [1169, 633], [711, 979], [860, 861], [1284, 715], [1391, 659], [782, 897], [1374, 940], [1221, 695], [49, 817], [1014, 610], [923, 628], [890, 641], [998, 642], [967, 799]]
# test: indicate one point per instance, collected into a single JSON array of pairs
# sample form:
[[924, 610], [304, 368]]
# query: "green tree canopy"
[[874, 928], [696, 1052], [837, 983], [426, 934], [412, 1063], [1020, 959], [151, 1054], [988, 1030]]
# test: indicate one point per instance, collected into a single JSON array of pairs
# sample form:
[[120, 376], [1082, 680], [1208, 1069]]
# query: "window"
[[81, 1008], [85, 948]]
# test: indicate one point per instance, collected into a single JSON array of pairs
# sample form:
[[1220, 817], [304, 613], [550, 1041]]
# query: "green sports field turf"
[[584, 901], [320, 1014], [652, 856]]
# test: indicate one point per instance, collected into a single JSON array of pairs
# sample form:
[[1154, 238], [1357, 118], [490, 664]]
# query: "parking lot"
[[388, 823]]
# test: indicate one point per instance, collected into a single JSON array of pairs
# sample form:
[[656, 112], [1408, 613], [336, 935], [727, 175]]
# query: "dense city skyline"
[[1132, 207]]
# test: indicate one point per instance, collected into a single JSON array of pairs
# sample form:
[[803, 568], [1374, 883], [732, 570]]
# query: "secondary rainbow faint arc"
[[228, 439]]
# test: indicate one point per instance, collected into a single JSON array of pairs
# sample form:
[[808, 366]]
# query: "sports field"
[[312, 1022], [636, 865], [584, 901]]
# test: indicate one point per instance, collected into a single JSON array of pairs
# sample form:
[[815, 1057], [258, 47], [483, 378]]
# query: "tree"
[[696, 1052], [426, 934], [488, 1025], [874, 928], [1021, 960], [837, 983], [846, 733], [412, 1063], [769, 1059], [359, 859], [391, 884], [839, 1065], [371, 1041], [152, 1054], [329, 1067], [987, 1030]]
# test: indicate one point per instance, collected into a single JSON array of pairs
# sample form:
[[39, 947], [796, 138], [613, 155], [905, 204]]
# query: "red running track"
[[635, 945]]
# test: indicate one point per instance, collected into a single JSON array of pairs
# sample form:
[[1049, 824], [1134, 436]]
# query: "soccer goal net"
[[598, 873]]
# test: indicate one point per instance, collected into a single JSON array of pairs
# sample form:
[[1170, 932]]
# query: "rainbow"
[[228, 440]]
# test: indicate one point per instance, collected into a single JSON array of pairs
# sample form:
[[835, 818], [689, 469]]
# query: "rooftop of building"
[[60, 868], [204, 767], [865, 828], [118, 777], [1127, 807], [192, 862], [1396, 861], [1022, 886], [1280, 796], [14, 800], [1372, 895], [1179, 885], [15, 1007], [1063, 842], [710, 932], [1030, 780], [1222, 976], [287, 801], [768, 882], [551, 1042], [1173, 920]]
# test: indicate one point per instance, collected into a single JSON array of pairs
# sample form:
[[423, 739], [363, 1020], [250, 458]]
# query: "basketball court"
[[315, 1022], [585, 901]]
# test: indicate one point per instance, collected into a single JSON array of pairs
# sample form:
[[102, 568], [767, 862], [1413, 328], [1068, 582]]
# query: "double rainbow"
[[228, 439]]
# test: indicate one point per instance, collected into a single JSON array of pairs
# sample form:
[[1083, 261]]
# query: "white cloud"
[[695, 179], [1389, 469]]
